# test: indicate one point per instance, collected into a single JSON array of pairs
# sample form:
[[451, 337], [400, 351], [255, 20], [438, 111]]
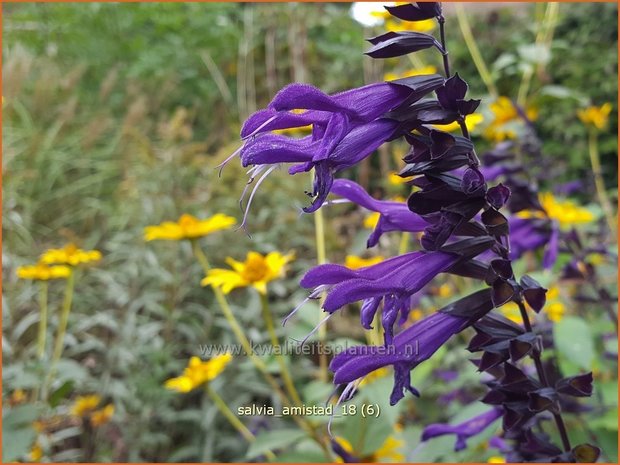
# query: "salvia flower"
[[346, 128], [464, 430], [188, 227], [257, 271], [393, 282], [198, 373], [392, 216], [412, 346]]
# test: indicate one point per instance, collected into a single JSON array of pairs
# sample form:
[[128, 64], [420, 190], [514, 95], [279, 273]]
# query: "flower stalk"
[[321, 254], [42, 334], [599, 182], [62, 331], [247, 346], [232, 419], [286, 375]]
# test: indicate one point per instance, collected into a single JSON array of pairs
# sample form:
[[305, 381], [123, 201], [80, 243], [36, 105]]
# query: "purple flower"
[[346, 128], [392, 281], [529, 234], [394, 216], [463, 431], [411, 347]]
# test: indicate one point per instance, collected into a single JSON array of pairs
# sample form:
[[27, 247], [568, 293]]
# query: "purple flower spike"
[[463, 431], [393, 281], [411, 347], [394, 216]]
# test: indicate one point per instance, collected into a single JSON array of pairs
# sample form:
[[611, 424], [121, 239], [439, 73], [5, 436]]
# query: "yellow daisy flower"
[[371, 220], [391, 76], [596, 117], [504, 113], [36, 453], [496, 459], [188, 227], [84, 405], [565, 212], [198, 372], [354, 262], [102, 416], [471, 121], [395, 25], [43, 272], [256, 271], [390, 451], [70, 255]]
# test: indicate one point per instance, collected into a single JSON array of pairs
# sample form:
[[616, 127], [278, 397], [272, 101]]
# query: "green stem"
[[474, 51], [321, 255], [404, 243], [42, 320], [544, 36], [62, 330], [599, 182], [286, 375], [233, 420]]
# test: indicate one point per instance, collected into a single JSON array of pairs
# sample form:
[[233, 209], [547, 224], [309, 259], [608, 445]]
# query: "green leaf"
[[574, 341], [60, 393], [273, 440], [18, 435]]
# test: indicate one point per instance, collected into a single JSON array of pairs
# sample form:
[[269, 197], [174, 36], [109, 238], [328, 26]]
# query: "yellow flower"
[[102, 416], [188, 227], [595, 117], [354, 262], [36, 453], [43, 272], [504, 113], [416, 26], [555, 311], [198, 372], [256, 271], [391, 76], [565, 212], [471, 121], [70, 255], [18, 396], [84, 405], [396, 180], [444, 291], [374, 376], [512, 312], [496, 459], [390, 451], [416, 314], [371, 220]]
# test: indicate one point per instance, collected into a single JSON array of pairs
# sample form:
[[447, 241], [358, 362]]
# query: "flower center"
[[255, 269]]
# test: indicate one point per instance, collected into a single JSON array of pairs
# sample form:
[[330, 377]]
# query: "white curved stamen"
[[258, 183], [260, 127], [316, 328], [230, 157]]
